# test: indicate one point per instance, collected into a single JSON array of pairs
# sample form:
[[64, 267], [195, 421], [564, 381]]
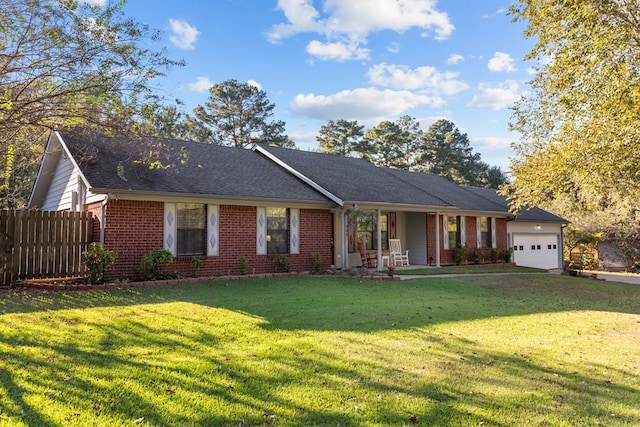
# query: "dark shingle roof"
[[234, 173], [355, 180], [532, 214], [444, 189], [209, 170]]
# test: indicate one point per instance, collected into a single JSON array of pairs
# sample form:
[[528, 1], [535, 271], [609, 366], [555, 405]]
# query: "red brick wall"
[[447, 256], [501, 233], [134, 228]]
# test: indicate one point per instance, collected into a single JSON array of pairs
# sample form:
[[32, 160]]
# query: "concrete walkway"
[[608, 276]]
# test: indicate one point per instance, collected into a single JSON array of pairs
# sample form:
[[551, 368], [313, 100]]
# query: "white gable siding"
[[65, 180]]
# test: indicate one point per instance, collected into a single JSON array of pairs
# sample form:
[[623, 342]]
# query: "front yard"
[[521, 349]]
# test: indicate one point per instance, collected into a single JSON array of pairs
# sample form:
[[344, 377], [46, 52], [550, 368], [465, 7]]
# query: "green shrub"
[[244, 265], [196, 263], [317, 261], [506, 255], [168, 275], [495, 255], [458, 253], [97, 259], [153, 262], [281, 262]]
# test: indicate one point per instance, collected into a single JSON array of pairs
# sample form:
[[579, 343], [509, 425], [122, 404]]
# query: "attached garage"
[[535, 235], [536, 239], [537, 250]]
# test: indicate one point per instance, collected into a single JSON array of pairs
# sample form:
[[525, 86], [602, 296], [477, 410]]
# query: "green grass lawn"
[[505, 350]]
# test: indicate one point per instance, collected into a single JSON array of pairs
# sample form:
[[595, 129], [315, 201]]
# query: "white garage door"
[[536, 250]]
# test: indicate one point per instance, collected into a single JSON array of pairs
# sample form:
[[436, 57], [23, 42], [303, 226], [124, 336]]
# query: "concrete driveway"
[[618, 277]]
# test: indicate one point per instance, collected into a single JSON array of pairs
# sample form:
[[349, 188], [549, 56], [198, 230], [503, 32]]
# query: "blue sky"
[[364, 60]]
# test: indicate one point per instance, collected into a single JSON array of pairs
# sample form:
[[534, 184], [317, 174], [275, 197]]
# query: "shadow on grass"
[[345, 388], [155, 363], [348, 304]]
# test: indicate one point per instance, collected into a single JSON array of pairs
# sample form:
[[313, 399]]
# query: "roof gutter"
[[299, 175]]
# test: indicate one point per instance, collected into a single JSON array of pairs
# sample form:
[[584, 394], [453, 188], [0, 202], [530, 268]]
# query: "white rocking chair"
[[398, 257]]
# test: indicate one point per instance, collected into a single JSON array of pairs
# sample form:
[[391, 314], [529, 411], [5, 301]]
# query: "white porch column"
[[437, 239], [345, 240], [379, 237]]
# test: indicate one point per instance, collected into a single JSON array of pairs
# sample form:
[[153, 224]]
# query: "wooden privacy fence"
[[39, 244]]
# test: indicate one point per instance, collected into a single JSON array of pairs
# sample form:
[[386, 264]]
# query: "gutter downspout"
[[103, 216], [379, 237]]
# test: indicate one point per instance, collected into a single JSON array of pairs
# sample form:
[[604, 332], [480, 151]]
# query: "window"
[[485, 232], [191, 229], [367, 231], [277, 230], [453, 227]]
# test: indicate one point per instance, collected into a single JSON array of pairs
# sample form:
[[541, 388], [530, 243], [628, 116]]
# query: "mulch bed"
[[80, 283]]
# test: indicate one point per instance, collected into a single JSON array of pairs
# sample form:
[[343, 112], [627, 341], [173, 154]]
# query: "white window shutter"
[[213, 220], [261, 230], [463, 231], [294, 231], [170, 228], [479, 232], [445, 231], [493, 233]]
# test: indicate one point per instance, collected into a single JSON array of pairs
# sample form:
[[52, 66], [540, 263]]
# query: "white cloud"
[[496, 151], [361, 17], [202, 84], [305, 139], [500, 11], [360, 104], [492, 142], [420, 78], [354, 20], [302, 17], [454, 58], [393, 48], [496, 98], [501, 62], [254, 84], [338, 51], [183, 35], [99, 3]]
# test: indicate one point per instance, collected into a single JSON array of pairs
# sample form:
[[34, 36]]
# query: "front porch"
[[417, 232], [432, 238]]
